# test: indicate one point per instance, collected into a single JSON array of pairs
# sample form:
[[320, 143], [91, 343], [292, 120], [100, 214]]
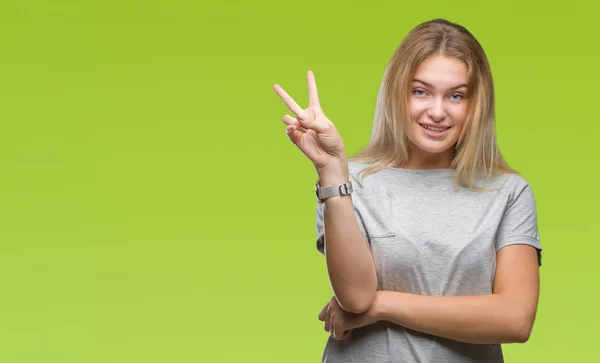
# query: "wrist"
[[377, 310], [392, 306], [334, 173]]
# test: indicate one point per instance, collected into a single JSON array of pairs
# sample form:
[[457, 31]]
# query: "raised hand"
[[311, 131]]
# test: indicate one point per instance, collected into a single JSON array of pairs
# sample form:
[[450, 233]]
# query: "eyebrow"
[[430, 86]]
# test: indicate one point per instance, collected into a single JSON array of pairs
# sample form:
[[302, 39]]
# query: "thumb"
[[323, 313], [310, 120]]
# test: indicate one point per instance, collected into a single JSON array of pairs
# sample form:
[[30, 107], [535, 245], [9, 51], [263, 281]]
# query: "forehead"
[[442, 72]]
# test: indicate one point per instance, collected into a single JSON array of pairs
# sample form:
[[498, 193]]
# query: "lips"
[[435, 128]]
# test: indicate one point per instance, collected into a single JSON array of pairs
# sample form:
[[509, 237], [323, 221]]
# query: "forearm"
[[484, 319], [349, 262]]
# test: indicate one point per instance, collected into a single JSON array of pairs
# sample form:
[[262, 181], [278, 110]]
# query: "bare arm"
[[505, 316], [349, 262]]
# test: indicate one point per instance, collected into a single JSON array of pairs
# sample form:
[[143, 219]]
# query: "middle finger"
[[313, 94]]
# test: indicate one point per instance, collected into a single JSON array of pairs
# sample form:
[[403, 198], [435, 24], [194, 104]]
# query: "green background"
[[152, 208]]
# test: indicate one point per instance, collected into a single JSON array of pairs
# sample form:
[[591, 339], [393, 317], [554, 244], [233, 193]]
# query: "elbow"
[[358, 304], [522, 335], [357, 299], [522, 328]]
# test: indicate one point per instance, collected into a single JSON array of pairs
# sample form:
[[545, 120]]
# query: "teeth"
[[433, 128]]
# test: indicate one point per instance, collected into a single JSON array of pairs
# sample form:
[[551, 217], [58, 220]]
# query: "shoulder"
[[355, 167], [515, 185], [516, 180], [517, 194], [364, 179], [510, 182], [355, 170]]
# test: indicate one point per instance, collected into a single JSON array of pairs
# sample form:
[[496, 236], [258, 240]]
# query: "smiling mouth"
[[435, 129]]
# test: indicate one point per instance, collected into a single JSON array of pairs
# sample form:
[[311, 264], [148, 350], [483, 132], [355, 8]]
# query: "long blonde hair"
[[476, 151]]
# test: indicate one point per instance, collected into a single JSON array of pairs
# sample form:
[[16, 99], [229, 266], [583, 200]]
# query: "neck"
[[423, 160]]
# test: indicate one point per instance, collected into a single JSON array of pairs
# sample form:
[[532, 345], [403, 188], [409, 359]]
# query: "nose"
[[437, 111]]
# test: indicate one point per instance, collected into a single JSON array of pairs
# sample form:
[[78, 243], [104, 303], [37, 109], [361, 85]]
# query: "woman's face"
[[438, 109]]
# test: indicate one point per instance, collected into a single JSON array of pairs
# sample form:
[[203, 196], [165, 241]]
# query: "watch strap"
[[333, 190]]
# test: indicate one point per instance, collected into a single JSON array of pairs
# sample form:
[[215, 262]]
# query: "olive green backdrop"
[[152, 208]]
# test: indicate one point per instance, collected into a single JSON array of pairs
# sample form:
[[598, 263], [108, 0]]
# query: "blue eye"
[[457, 97], [419, 92]]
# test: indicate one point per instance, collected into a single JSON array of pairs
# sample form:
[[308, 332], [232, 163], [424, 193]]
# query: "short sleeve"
[[320, 228], [519, 222]]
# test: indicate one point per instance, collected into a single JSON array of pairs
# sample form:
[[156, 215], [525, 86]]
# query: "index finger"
[[290, 103], [313, 94]]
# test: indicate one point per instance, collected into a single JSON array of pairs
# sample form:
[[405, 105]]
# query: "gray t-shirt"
[[428, 237]]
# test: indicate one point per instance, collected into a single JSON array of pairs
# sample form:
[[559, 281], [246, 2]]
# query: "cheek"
[[416, 110], [459, 115]]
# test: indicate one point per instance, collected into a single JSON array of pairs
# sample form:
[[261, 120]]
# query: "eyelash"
[[454, 94]]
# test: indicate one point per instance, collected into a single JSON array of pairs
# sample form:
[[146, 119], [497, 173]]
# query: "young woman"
[[430, 238]]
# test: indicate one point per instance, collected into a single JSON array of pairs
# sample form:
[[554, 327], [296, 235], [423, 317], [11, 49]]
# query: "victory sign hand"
[[311, 131]]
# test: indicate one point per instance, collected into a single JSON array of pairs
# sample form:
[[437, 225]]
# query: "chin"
[[433, 149]]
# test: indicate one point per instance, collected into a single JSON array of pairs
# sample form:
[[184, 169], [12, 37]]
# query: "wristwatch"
[[332, 191]]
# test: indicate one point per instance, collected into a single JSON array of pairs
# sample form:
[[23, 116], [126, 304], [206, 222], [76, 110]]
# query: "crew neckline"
[[413, 171], [421, 171], [445, 173]]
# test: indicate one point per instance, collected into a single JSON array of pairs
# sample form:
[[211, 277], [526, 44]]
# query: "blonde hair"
[[476, 150]]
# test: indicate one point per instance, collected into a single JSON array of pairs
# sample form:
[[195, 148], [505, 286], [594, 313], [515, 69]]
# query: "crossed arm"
[[504, 316]]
